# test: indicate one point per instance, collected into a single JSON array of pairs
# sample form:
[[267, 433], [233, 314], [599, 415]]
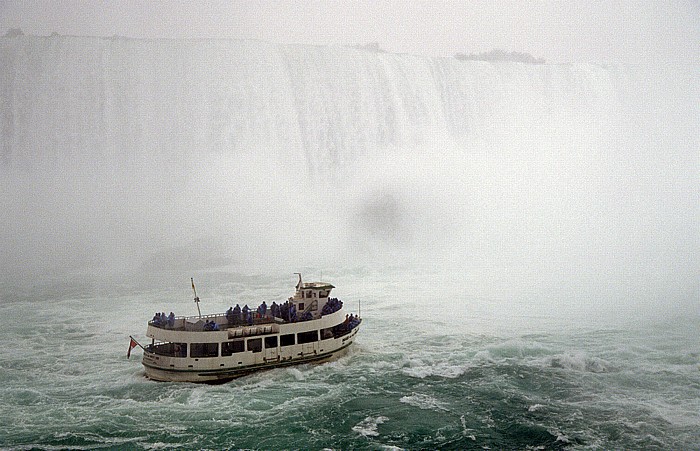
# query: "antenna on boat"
[[196, 298], [298, 284]]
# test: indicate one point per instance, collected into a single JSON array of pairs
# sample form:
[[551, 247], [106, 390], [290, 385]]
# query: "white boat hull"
[[223, 368], [227, 374]]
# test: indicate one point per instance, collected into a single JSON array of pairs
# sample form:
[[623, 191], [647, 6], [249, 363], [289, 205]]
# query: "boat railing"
[[196, 323]]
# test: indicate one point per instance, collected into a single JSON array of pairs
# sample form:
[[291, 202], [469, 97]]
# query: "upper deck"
[[190, 329], [310, 301]]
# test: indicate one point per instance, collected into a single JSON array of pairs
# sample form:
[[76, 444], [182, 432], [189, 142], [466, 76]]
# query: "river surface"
[[432, 368]]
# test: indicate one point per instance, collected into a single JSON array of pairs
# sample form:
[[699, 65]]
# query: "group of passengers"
[[163, 320], [237, 316], [332, 306], [211, 325], [286, 311], [352, 321], [241, 316]]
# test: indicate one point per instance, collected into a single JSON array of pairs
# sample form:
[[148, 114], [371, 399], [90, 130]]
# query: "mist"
[[555, 184]]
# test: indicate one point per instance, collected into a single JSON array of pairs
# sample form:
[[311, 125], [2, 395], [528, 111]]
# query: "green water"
[[442, 381]]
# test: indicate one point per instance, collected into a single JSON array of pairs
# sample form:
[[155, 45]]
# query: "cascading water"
[[120, 151]]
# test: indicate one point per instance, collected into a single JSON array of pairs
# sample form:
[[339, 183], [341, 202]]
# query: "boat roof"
[[316, 285]]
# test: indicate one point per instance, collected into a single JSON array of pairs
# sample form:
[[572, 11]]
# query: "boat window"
[[308, 294], [271, 342], [255, 345], [287, 340], [307, 337], [171, 349], [204, 350], [230, 347], [326, 333], [301, 306]]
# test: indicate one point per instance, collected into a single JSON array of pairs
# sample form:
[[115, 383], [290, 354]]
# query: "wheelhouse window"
[[271, 342], [287, 340], [231, 347], [255, 345], [204, 350], [307, 337]]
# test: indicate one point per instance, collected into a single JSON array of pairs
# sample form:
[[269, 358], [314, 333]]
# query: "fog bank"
[[562, 182]]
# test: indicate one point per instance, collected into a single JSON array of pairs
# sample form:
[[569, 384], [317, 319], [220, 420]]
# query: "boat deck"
[[197, 323]]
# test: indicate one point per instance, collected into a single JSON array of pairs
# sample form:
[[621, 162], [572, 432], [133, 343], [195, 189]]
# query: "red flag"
[[132, 345]]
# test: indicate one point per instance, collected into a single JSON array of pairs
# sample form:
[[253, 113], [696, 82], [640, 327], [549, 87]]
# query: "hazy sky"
[[559, 31]]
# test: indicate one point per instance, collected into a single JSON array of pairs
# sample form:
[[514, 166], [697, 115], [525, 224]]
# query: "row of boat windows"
[[229, 348], [310, 294]]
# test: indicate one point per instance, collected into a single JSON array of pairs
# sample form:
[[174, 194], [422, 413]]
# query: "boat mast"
[[196, 298]]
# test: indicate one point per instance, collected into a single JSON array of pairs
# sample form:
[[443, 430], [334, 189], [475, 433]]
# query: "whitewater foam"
[[423, 401], [368, 426]]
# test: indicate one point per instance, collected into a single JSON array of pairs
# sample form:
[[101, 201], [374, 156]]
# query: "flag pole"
[[132, 344], [137, 343], [196, 298]]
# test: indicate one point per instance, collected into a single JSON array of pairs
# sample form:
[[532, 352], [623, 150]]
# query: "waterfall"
[[178, 153], [70, 98]]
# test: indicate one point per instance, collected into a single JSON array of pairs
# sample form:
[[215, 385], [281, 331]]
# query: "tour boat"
[[309, 327]]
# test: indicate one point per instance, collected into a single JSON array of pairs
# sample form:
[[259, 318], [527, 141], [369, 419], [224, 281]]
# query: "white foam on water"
[[296, 373], [423, 401], [368, 427], [423, 369], [578, 361]]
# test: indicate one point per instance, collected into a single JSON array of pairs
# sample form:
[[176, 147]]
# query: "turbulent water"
[[433, 367], [523, 240]]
